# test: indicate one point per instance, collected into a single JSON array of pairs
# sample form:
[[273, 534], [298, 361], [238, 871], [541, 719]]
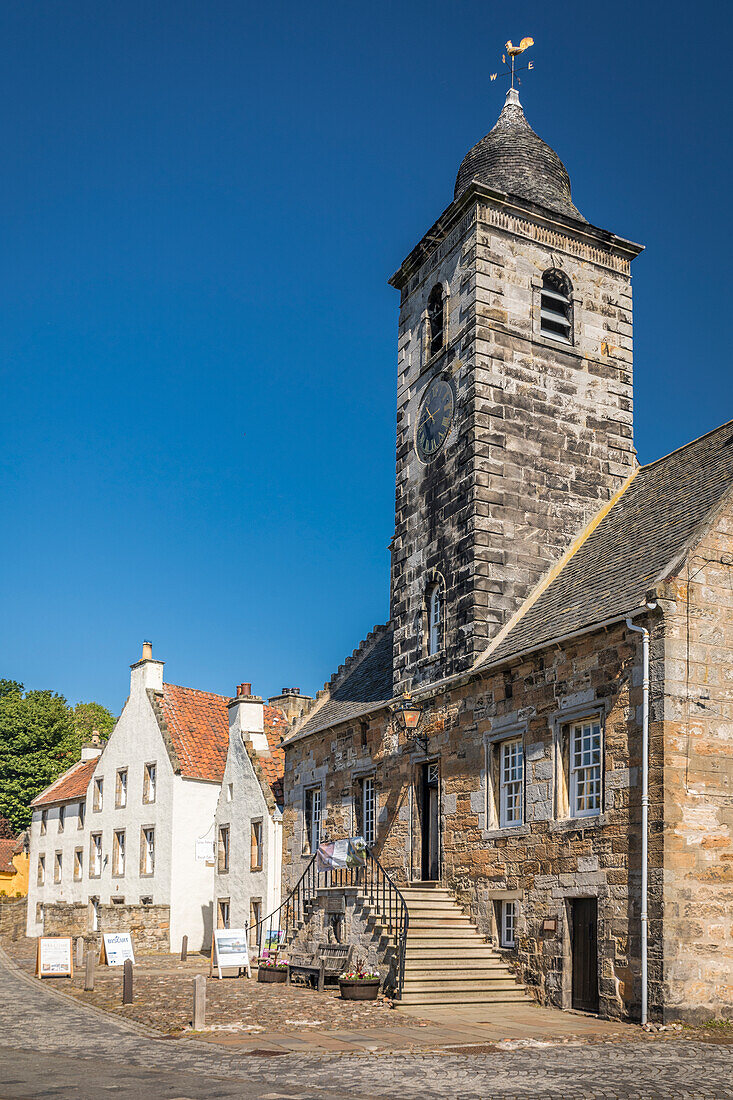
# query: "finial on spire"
[[515, 51]]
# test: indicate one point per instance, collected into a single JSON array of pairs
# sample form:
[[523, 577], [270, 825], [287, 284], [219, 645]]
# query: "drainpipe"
[[644, 810]]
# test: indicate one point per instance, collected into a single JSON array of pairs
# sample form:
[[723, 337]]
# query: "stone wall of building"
[[12, 918], [698, 780], [542, 864]]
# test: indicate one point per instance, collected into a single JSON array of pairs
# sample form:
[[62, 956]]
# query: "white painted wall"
[[192, 880], [72, 838]]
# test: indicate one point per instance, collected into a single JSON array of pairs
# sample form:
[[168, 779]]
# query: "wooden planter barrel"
[[360, 989], [272, 974]]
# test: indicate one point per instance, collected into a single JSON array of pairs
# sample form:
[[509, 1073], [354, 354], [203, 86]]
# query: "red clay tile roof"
[[198, 725], [273, 766], [7, 848], [71, 785]]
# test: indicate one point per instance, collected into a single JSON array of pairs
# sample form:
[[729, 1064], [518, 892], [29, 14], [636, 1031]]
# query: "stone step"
[[450, 967], [433, 921], [418, 894], [430, 905], [498, 997], [444, 932], [484, 985], [436, 956]]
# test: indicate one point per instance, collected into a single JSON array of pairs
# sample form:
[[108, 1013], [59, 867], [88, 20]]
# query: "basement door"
[[585, 954], [430, 820]]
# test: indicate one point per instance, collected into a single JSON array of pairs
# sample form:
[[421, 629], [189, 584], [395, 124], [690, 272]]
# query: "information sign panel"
[[116, 948], [54, 957], [230, 950]]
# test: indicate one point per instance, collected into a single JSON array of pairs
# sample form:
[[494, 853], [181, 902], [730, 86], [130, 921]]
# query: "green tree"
[[92, 718], [40, 737]]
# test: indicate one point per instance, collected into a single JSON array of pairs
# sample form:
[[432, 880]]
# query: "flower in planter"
[[358, 974], [273, 964]]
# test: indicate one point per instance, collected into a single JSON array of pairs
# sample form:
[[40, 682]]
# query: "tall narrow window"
[[147, 850], [435, 620], [585, 768], [222, 915], [511, 777], [255, 928], [255, 854], [121, 788], [369, 810], [556, 318], [223, 860], [41, 876], [95, 855], [62, 818], [508, 923], [82, 814], [58, 865], [78, 864], [312, 815], [436, 319], [118, 853], [149, 780], [44, 821], [98, 794]]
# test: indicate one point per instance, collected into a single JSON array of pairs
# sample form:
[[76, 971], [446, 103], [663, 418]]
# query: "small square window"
[[146, 900], [117, 901]]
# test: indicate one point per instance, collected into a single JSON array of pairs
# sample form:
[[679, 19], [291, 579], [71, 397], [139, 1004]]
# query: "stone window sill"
[[575, 824], [511, 830]]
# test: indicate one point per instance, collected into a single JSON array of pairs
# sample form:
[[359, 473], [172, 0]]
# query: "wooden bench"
[[328, 961]]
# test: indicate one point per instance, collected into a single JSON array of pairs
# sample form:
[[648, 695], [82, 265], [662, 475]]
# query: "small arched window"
[[436, 320], [435, 620], [556, 306]]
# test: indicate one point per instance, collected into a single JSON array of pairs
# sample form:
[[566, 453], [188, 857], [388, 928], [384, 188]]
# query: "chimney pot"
[[147, 651], [244, 689]]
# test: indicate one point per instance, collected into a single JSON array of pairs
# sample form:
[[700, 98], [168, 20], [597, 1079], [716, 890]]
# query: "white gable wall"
[[192, 880]]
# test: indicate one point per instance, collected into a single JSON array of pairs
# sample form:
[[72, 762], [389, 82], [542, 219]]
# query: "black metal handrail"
[[371, 879]]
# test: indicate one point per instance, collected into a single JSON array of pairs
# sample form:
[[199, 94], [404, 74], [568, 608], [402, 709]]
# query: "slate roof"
[[514, 159], [7, 851], [198, 725], [71, 785], [366, 685], [642, 539]]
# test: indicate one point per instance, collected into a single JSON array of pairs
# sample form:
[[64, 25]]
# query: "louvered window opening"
[[436, 319], [555, 309]]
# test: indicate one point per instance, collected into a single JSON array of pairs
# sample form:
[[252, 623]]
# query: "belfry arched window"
[[556, 306], [436, 320], [435, 619]]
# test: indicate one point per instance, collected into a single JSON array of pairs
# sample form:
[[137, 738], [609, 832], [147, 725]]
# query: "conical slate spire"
[[514, 159]]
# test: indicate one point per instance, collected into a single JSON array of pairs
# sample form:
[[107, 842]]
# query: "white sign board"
[[230, 950], [116, 948], [53, 959], [205, 851]]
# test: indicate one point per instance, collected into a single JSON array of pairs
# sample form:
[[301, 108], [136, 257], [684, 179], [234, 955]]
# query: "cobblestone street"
[[51, 1045]]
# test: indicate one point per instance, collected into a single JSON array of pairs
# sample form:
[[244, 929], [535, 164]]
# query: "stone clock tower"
[[514, 397]]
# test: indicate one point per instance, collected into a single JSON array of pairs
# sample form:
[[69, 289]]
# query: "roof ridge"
[[201, 691], [684, 446]]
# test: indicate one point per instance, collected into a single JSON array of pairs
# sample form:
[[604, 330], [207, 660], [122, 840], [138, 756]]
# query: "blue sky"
[[200, 206]]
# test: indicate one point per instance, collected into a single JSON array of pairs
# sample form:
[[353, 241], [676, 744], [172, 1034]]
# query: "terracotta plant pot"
[[360, 989], [271, 974]]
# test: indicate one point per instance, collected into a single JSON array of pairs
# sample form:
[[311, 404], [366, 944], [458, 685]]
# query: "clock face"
[[434, 419]]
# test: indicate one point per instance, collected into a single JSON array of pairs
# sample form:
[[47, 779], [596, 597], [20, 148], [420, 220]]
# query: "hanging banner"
[[337, 855]]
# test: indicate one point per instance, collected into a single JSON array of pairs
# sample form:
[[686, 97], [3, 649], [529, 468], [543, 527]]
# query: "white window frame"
[[118, 853], [585, 755], [369, 810], [82, 814], [147, 839], [98, 794], [507, 923], [78, 864], [435, 620], [95, 866], [511, 782], [41, 871], [312, 828], [58, 866], [223, 913], [150, 781], [121, 789], [223, 851]]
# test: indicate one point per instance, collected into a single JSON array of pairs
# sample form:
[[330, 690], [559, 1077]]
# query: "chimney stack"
[[291, 703], [146, 674], [247, 718], [147, 651], [91, 749]]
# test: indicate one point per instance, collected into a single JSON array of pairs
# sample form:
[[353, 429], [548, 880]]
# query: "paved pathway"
[[52, 1046]]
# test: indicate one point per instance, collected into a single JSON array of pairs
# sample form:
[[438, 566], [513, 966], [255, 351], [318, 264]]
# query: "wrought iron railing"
[[373, 883]]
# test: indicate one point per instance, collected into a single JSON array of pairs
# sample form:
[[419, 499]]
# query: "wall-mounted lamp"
[[408, 714]]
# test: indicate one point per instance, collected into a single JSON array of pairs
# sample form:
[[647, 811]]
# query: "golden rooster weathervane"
[[515, 51]]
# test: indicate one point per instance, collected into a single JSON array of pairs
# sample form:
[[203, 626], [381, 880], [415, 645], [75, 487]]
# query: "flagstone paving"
[[52, 1045]]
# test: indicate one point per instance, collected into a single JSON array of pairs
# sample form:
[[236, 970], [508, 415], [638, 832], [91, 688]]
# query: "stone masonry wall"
[[149, 925], [357, 926], [12, 918], [542, 433], [698, 778], [542, 864]]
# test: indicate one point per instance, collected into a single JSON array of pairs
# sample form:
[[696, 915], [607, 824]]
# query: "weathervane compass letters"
[[515, 51]]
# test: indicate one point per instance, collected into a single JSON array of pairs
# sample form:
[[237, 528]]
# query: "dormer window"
[[435, 620], [556, 306], [436, 320]]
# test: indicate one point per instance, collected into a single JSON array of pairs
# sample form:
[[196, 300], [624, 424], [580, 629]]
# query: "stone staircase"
[[447, 961]]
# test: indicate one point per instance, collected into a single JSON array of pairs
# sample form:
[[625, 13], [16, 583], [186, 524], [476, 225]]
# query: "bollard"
[[79, 952], [184, 949], [91, 960], [199, 1002], [127, 982]]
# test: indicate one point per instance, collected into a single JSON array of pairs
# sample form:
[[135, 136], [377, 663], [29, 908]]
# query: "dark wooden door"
[[430, 822], [585, 954]]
